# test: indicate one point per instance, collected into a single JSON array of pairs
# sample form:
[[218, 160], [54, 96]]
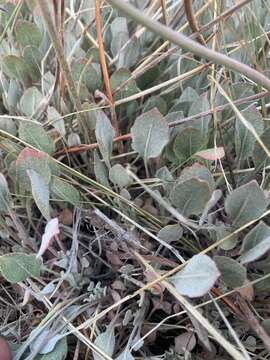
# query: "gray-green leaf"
[[27, 33], [105, 342], [16, 68], [190, 196], [119, 176], [101, 172], [150, 134], [18, 267], [246, 203], [58, 353], [187, 142], [257, 251], [40, 192], [244, 139], [35, 135], [104, 135], [260, 157], [170, 233], [30, 101], [232, 273], [197, 277], [199, 171], [64, 191], [255, 236]]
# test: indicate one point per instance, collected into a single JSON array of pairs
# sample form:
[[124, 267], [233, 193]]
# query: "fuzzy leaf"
[[232, 273], [27, 33], [255, 253], [120, 35], [199, 171], [45, 339], [104, 135], [33, 58], [30, 159], [35, 135], [101, 172], [119, 176], [59, 352], [40, 192], [18, 267], [244, 139], [258, 250], [64, 191], [170, 233], [255, 236], [150, 133], [187, 142], [197, 277], [105, 342], [198, 106], [118, 78], [246, 203], [190, 196], [30, 101], [259, 155], [16, 68]]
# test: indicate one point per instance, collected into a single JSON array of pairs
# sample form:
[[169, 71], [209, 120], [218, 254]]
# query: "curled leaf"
[[51, 230]]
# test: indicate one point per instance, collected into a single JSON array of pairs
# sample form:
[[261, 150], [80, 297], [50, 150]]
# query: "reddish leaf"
[[211, 154]]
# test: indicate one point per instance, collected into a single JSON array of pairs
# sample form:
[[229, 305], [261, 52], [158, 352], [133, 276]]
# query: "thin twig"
[[104, 68], [192, 21], [164, 13], [190, 45]]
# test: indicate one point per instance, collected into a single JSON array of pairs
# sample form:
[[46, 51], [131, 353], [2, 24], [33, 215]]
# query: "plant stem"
[[104, 68], [63, 64], [190, 45], [192, 21]]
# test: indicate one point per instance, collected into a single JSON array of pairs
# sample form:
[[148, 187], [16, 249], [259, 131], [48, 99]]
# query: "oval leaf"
[[27, 33], [197, 277], [150, 134], [18, 267], [16, 68], [246, 203], [187, 142], [190, 196], [30, 101], [232, 273], [119, 176], [35, 135]]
